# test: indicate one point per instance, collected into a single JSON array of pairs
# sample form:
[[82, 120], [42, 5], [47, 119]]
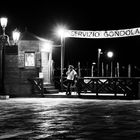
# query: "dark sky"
[[41, 18]]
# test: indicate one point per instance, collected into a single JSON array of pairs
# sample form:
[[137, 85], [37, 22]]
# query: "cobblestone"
[[69, 118]]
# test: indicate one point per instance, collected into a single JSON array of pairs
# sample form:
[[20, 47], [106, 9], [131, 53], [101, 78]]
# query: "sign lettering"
[[103, 34]]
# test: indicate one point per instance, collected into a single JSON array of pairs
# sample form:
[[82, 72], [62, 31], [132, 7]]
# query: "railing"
[[57, 83], [37, 85], [115, 85], [107, 85]]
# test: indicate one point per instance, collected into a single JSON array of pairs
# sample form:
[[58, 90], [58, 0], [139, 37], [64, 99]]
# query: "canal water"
[[69, 118]]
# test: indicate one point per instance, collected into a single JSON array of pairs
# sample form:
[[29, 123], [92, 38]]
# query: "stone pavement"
[[69, 118]]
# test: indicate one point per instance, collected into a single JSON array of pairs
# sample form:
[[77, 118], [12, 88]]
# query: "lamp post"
[[4, 40], [110, 55], [92, 69], [98, 63], [61, 33], [62, 58]]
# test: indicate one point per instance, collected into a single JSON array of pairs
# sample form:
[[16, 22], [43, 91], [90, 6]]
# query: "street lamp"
[[61, 33], [98, 63], [110, 55], [15, 35], [92, 69], [4, 41]]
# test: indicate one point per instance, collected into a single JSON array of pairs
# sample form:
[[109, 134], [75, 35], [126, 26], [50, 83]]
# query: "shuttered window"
[[29, 59]]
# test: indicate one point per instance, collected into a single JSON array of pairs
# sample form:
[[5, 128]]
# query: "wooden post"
[[118, 70], [129, 70], [102, 69], [111, 71], [107, 70], [79, 69], [92, 70]]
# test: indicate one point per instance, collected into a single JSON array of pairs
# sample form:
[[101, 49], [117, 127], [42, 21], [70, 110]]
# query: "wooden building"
[[34, 59]]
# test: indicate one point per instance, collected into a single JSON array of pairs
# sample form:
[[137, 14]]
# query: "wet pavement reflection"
[[69, 118]]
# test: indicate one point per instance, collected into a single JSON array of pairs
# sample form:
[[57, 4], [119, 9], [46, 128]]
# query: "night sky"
[[41, 18]]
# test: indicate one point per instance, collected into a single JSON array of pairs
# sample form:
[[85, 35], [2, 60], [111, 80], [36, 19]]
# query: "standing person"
[[71, 75]]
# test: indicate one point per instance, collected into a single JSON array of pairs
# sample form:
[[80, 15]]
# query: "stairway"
[[50, 88]]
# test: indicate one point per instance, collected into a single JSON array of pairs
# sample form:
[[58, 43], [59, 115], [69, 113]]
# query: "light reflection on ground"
[[43, 118]]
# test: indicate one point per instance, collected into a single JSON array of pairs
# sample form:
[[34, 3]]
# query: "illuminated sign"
[[103, 34]]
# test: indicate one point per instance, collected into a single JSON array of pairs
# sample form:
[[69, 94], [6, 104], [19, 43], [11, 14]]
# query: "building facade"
[[34, 59]]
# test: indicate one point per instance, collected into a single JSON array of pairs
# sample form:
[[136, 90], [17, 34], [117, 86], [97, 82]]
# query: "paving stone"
[[69, 118]]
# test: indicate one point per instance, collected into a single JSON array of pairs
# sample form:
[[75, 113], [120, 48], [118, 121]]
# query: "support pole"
[[98, 65], [62, 61], [3, 43]]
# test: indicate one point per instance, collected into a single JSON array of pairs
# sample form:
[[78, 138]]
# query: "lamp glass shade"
[[110, 54], [15, 35], [3, 22]]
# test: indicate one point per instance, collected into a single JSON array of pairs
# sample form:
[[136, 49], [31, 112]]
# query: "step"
[[48, 85], [50, 89]]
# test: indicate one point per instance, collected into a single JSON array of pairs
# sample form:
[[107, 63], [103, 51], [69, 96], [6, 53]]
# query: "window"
[[29, 59]]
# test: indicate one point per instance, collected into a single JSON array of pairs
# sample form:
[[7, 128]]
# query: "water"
[[69, 118]]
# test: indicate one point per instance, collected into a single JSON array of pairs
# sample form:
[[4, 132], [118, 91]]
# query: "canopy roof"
[[32, 37]]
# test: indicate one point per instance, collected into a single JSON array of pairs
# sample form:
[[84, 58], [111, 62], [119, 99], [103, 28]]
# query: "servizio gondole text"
[[103, 34]]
